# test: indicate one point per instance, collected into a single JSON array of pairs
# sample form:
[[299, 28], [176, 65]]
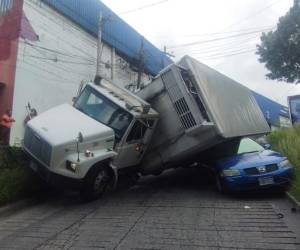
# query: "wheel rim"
[[100, 182]]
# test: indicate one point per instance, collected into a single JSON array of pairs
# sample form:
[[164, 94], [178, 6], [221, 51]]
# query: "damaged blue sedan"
[[249, 166]]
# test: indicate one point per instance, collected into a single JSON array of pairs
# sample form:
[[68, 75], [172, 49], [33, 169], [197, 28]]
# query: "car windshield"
[[100, 108], [232, 148], [248, 146]]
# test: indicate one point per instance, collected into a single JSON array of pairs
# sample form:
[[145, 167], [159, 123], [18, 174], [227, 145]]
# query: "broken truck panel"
[[232, 106], [199, 108]]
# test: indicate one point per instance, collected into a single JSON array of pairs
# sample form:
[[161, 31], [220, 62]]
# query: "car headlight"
[[285, 164], [231, 172]]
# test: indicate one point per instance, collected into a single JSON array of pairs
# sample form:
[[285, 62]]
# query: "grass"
[[287, 142], [16, 181]]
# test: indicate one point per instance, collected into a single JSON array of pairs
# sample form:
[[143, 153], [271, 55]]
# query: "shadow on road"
[[195, 179]]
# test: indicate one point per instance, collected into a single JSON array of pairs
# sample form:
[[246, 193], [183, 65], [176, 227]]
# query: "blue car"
[[249, 166]]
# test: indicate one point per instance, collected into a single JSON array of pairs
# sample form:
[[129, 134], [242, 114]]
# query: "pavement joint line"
[[226, 241], [136, 222]]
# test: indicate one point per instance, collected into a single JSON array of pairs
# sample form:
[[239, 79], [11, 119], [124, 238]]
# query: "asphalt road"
[[178, 210]]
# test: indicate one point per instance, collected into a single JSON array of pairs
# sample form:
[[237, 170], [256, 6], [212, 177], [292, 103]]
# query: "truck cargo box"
[[199, 108]]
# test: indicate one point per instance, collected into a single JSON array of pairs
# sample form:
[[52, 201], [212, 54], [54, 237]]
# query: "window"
[[102, 109], [139, 129], [248, 146]]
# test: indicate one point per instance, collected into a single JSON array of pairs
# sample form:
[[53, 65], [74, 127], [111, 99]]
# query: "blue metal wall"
[[116, 32], [271, 110]]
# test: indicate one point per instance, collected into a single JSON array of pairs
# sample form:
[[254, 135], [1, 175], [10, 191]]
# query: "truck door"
[[132, 149]]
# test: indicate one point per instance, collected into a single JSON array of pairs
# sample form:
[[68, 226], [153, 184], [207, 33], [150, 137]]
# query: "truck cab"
[[105, 132]]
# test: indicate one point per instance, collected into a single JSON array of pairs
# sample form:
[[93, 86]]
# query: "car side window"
[[139, 129]]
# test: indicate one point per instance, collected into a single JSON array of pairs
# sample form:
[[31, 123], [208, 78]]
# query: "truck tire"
[[95, 183]]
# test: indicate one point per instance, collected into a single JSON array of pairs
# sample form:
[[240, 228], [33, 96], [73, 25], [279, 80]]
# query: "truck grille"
[[37, 146], [255, 170]]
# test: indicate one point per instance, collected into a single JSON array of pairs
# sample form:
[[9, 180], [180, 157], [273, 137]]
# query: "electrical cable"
[[254, 14], [224, 32], [230, 55], [216, 39], [224, 46], [143, 7]]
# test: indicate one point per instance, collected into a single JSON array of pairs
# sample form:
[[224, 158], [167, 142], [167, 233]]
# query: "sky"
[[220, 33]]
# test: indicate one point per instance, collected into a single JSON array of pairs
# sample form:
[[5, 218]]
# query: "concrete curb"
[[16, 206], [293, 200]]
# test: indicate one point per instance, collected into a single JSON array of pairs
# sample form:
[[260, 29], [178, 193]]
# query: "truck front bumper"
[[52, 178]]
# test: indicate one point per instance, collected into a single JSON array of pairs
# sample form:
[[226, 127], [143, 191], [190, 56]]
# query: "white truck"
[[109, 131]]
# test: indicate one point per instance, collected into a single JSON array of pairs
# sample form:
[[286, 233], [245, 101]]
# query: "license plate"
[[33, 166], [266, 181]]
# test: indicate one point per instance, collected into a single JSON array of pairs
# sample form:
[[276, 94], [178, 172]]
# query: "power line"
[[36, 74], [224, 32], [58, 60], [224, 52], [143, 7], [254, 14], [229, 55], [60, 52], [240, 21], [216, 39], [218, 46], [89, 61]]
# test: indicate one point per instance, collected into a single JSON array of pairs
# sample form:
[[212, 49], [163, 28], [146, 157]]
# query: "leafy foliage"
[[287, 142], [16, 181], [280, 49]]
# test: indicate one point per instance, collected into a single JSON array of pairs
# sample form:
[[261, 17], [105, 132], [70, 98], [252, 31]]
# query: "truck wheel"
[[95, 184]]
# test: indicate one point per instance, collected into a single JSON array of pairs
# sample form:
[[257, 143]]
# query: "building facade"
[[49, 47]]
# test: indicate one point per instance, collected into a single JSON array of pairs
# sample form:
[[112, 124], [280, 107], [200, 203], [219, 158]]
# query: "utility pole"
[[163, 57], [98, 76], [165, 53], [141, 64]]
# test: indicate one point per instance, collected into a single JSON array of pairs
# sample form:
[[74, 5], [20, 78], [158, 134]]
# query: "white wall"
[[50, 76]]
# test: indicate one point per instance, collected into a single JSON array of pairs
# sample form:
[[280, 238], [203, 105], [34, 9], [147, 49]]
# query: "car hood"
[[62, 124], [250, 160]]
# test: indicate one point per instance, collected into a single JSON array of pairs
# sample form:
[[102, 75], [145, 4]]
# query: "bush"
[[16, 180], [287, 142]]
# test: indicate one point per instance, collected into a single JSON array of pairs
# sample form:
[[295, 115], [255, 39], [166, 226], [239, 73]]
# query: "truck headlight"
[[88, 153], [285, 164], [231, 172], [72, 166]]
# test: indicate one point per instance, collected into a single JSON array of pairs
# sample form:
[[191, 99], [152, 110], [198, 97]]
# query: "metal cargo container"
[[199, 108]]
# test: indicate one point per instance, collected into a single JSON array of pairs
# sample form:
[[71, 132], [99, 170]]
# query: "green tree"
[[280, 49]]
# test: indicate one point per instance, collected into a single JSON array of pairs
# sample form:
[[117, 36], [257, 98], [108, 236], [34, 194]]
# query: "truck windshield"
[[100, 108]]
